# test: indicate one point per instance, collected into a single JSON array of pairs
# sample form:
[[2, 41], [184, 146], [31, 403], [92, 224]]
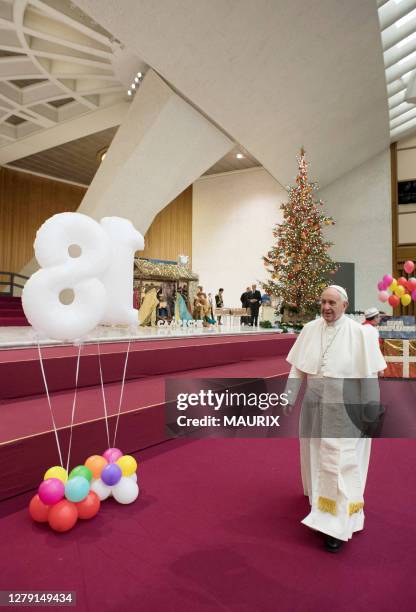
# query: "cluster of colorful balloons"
[[114, 474], [62, 499], [403, 290]]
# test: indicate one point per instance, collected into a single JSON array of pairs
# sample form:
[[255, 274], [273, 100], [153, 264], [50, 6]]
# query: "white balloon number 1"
[[94, 261]]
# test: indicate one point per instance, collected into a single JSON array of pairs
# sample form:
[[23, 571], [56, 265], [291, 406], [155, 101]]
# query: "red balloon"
[[411, 283], [402, 281], [394, 301], [88, 507], [38, 510], [63, 515]]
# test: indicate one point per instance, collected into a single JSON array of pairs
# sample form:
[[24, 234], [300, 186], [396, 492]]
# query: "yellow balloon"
[[127, 464], [406, 299], [393, 285], [400, 290], [56, 472]]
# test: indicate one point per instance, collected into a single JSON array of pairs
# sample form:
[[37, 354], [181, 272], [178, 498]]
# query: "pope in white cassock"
[[334, 454]]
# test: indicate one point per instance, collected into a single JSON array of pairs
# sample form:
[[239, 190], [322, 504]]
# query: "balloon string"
[[122, 391], [73, 407], [50, 406], [103, 394]]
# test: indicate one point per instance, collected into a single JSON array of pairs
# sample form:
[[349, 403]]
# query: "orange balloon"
[[96, 463], [63, 516], [38, 510], [88, 507]]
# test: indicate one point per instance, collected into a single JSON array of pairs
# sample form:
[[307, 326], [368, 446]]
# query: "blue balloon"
[[77, 489]]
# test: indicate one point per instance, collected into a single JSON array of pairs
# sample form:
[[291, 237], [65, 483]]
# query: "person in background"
[[245, 304], [372, 317], [211, 306], [219, 303], [254, 299], [372, 320]]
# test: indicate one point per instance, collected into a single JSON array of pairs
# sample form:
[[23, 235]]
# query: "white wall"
[[360, 202], [233, 217]]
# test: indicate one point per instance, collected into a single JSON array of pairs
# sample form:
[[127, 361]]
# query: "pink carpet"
[[216, 527]]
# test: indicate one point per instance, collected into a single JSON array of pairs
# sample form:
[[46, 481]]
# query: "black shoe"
[[333, 544]]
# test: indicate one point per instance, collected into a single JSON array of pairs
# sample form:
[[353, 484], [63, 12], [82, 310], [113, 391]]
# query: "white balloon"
[[60, 271], [100, 488], [118, 278], [125, 491], [133, 477]]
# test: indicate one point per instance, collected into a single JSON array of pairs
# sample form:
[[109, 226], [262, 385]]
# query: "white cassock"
[[334, 469]]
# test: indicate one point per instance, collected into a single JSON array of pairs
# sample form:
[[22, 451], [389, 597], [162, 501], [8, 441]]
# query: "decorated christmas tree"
[[298, 262]]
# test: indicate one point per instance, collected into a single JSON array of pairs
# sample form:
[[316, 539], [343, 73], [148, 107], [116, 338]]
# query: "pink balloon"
[[383, 296], [409, 266], [387, 279], [411, 283], [112, 454], [414, 295], [51, 491], [381, 286]]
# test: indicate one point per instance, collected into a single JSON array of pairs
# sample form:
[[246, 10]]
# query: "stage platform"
[[23, 337], [27, 441]]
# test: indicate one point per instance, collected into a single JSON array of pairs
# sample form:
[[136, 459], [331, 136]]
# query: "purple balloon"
[[387, 279], [112, 454], [51, 491], [414, 295], [111, 474]]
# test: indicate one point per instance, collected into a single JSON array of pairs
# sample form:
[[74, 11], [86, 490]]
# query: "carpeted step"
[[26, 434], [13, 321], [12, 312]]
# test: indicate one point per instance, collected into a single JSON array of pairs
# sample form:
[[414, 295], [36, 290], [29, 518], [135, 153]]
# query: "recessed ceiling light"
[[136, 79], [129, 92], [101, 154], [239, 156], [133, 85], [139, 74]]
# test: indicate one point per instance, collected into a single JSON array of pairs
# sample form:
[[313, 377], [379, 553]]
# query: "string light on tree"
[[298, 262]]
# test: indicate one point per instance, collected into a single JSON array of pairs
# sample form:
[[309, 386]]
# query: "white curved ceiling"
[[55, 65], [273, 74]]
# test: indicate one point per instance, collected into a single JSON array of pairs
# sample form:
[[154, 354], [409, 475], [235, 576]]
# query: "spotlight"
[[133, 85], [139, 74], [136, 79], [129, 92], [239, 156]]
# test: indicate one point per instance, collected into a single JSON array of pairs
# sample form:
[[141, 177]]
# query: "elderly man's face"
[[332, 305]]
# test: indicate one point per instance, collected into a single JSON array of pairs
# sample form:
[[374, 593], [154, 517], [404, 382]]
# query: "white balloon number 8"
[[93, 264]]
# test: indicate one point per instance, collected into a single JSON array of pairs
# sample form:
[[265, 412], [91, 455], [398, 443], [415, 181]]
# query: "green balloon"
[[81, 470]]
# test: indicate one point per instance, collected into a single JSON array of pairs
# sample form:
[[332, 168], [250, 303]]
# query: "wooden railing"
[[11, 282]]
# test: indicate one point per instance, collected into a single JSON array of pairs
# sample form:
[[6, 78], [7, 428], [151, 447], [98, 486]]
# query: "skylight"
[[398, 33]]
